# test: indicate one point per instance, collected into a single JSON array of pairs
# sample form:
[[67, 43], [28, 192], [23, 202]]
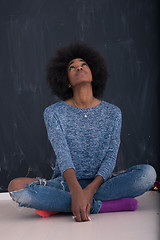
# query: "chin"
[[83, 82]]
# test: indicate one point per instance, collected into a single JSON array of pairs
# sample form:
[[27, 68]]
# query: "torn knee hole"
[[63, 185]]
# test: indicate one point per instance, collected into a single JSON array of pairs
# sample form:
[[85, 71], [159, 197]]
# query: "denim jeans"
[[54, 194]]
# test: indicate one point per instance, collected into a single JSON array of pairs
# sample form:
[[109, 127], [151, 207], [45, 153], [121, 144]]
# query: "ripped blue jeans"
[[54, 194]]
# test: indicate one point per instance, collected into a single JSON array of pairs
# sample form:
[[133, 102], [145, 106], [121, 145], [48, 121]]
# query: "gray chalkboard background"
[[124, 31]]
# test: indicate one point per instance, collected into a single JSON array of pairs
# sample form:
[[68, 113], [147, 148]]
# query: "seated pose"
[[84, 132]]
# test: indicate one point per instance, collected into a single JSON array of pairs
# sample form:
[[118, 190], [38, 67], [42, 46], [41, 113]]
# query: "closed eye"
[[71, 67], [83, 64]]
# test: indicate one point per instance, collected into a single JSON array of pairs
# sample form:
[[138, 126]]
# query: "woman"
[[84, 132]]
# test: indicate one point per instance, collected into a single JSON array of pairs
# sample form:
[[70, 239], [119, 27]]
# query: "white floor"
[[24, 224]]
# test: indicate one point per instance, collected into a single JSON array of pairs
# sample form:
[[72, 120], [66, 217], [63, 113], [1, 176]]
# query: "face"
[[78, 72]]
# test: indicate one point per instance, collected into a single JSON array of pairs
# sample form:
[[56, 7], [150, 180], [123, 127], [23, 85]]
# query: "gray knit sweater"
[[89, 144]]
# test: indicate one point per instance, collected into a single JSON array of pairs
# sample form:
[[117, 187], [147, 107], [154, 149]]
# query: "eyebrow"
[[81, 60]]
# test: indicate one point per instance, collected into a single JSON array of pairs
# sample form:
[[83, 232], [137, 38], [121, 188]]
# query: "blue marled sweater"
[[89, 144]]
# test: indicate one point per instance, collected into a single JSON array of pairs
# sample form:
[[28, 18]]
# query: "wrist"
[[75, 188], [91, 188], [95, 184]]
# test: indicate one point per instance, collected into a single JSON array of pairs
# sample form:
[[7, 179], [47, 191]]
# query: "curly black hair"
[[57, 76]]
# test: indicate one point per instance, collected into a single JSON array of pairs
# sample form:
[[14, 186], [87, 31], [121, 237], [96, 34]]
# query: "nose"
[[79, 68]]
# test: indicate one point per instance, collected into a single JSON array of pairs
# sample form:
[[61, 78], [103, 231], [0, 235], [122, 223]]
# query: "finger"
[[78, 216], [84, 214], [88, 211]]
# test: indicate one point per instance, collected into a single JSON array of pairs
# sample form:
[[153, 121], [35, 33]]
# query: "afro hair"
[[57, 76]]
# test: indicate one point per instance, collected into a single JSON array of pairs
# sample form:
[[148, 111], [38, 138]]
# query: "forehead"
[[75, 60]]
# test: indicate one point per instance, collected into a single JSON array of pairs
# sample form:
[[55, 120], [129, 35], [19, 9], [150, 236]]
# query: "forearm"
[[95, 184], [72, 182]]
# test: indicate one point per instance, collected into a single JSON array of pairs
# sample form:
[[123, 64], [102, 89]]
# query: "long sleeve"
[[58, 140], [109, 161]]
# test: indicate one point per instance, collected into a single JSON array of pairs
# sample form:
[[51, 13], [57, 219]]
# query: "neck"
[[83, 96]]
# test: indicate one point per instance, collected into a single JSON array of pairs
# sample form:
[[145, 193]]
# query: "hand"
[[81, 205]]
